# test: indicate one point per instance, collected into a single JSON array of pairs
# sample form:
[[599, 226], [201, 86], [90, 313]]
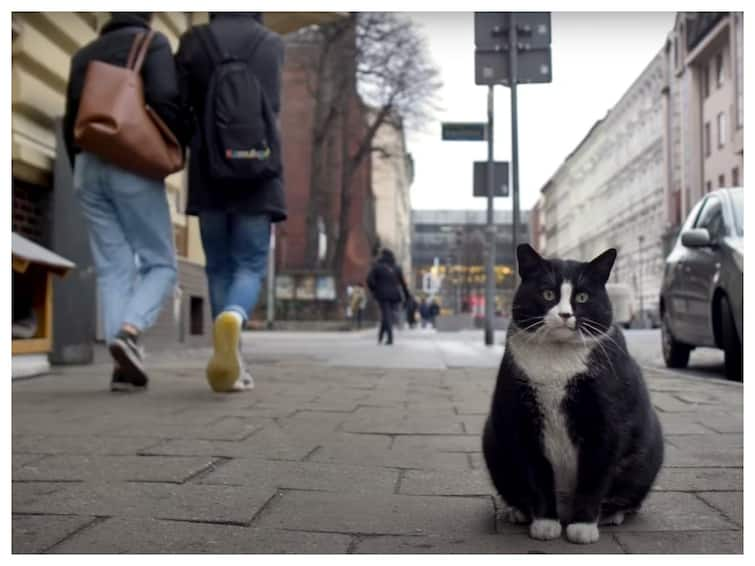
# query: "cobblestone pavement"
[[328, 457]]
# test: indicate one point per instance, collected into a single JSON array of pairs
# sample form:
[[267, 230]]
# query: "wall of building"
[[391, 183], [616, 177]]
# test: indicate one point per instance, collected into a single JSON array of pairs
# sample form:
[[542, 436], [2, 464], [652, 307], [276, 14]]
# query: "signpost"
[[500, 179], [511, 48], [463, 131]]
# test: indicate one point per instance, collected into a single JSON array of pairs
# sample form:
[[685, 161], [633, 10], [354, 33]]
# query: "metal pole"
[[513, 77], [271, 279], [642, 302], [490, 270]]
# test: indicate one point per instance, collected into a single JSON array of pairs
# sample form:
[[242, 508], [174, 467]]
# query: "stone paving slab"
[[673, 511], [37, 533], [59, 444], [207, 503], [482, 544], [730, 503], [697, 542], [66, 467], [699, 479], [391, 514], [314, 476], [119, 535], [442, 482]]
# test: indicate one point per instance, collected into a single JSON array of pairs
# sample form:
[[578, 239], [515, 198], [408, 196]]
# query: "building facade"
[[703, 110], [676, 134], [449, 252], [392, 176], [609, 192]]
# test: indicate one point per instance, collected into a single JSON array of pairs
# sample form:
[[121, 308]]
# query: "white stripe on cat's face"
[[560, 318]]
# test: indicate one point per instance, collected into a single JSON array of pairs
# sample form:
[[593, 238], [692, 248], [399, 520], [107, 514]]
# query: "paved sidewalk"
[[328, 458]]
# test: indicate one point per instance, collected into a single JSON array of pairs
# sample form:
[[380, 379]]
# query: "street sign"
[[464, 131], [500, 179], [533, 66], [492, 30]]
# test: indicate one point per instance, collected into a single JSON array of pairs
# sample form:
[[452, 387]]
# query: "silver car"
[[701, 294]]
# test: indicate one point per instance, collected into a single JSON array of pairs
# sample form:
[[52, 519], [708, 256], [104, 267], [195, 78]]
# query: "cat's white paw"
[[613, 520], [582, 533], [514, 516], [545, 529]]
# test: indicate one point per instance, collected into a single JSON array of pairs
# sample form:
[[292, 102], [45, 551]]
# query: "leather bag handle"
[[142, 52]]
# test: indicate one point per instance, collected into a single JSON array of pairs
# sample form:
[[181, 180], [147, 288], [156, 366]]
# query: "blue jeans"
[[236, 249], [131, 236]]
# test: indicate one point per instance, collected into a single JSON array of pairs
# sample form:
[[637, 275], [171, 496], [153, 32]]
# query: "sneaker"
[[119, 383], [246, 381], [224, 367], [129, 357]]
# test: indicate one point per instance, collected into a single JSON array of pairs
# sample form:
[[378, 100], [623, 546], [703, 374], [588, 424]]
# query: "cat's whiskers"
[[596, 335]]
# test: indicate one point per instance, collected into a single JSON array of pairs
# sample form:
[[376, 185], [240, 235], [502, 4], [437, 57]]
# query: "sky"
[[595, 58]]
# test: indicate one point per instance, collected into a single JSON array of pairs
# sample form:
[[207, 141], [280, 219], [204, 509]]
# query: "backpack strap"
[[134, 48]]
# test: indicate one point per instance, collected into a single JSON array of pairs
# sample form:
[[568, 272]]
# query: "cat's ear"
[[601, 266], [529, 260]]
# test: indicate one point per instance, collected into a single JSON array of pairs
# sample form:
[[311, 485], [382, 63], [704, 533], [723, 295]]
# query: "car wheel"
[[731, 344], [675, 354]]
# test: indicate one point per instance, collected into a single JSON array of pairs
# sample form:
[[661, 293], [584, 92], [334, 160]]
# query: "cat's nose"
[[565, 315]]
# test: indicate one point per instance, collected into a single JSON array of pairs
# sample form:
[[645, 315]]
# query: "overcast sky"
[[595, 56]]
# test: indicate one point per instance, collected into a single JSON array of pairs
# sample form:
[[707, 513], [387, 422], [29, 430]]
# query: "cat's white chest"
[[550, 366]]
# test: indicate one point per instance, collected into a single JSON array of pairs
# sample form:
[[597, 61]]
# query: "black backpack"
[[241, 136]]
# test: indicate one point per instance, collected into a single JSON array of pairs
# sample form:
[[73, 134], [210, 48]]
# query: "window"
[[719, 70], [706, 139], [721, 181], [721, 129], [708, 187], [711, 218], [705, 78], [196, 316], [735, 177]]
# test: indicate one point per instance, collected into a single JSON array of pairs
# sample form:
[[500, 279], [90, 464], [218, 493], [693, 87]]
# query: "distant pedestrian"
[[230, 76], [411, 312], [128, 217], [434, 311], [424, 312], [358, 304], [387, 284]]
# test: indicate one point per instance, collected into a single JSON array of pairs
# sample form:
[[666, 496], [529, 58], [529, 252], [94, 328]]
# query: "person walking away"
[[434, 311], [386, 282], [358, 304], [424, 312], [230, 77], [411, 312], [127, 215]]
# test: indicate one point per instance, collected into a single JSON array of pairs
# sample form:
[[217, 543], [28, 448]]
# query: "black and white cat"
[[571, 437]]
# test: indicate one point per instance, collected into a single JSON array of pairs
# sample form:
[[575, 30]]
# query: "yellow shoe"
[[224, 367]]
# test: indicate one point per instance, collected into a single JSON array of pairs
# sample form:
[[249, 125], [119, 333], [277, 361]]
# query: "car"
[[701, 292]]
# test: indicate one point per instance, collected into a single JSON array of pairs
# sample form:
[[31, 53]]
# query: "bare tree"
[[380, 60]]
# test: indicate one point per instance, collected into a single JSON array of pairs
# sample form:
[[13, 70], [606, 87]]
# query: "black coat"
[[387, 283], [158, 75], [234, 32]]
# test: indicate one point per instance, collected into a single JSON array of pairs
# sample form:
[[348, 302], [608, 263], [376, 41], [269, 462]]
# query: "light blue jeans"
[[236, 249], [131, 236]]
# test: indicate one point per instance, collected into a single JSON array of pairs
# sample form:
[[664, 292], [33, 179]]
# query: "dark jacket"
[[234, 32], [158, 75], [386, 280]]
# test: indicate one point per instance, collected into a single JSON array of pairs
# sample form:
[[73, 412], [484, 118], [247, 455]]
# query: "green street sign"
[[464, 131]]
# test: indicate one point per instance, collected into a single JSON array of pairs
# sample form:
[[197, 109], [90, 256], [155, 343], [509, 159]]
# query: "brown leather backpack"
[[114, 122]]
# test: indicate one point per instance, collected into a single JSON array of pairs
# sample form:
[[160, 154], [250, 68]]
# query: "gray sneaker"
[[129, 357]]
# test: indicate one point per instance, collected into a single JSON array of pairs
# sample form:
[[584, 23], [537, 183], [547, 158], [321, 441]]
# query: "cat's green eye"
[[582, 297], [549, 295]]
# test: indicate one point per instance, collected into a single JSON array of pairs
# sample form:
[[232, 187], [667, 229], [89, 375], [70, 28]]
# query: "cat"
[[571, 437]]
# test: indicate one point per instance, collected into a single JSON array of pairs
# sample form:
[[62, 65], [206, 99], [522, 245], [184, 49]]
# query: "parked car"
[[701, 293]]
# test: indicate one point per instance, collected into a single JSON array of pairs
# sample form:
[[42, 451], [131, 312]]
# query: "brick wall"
[[31, 205]]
